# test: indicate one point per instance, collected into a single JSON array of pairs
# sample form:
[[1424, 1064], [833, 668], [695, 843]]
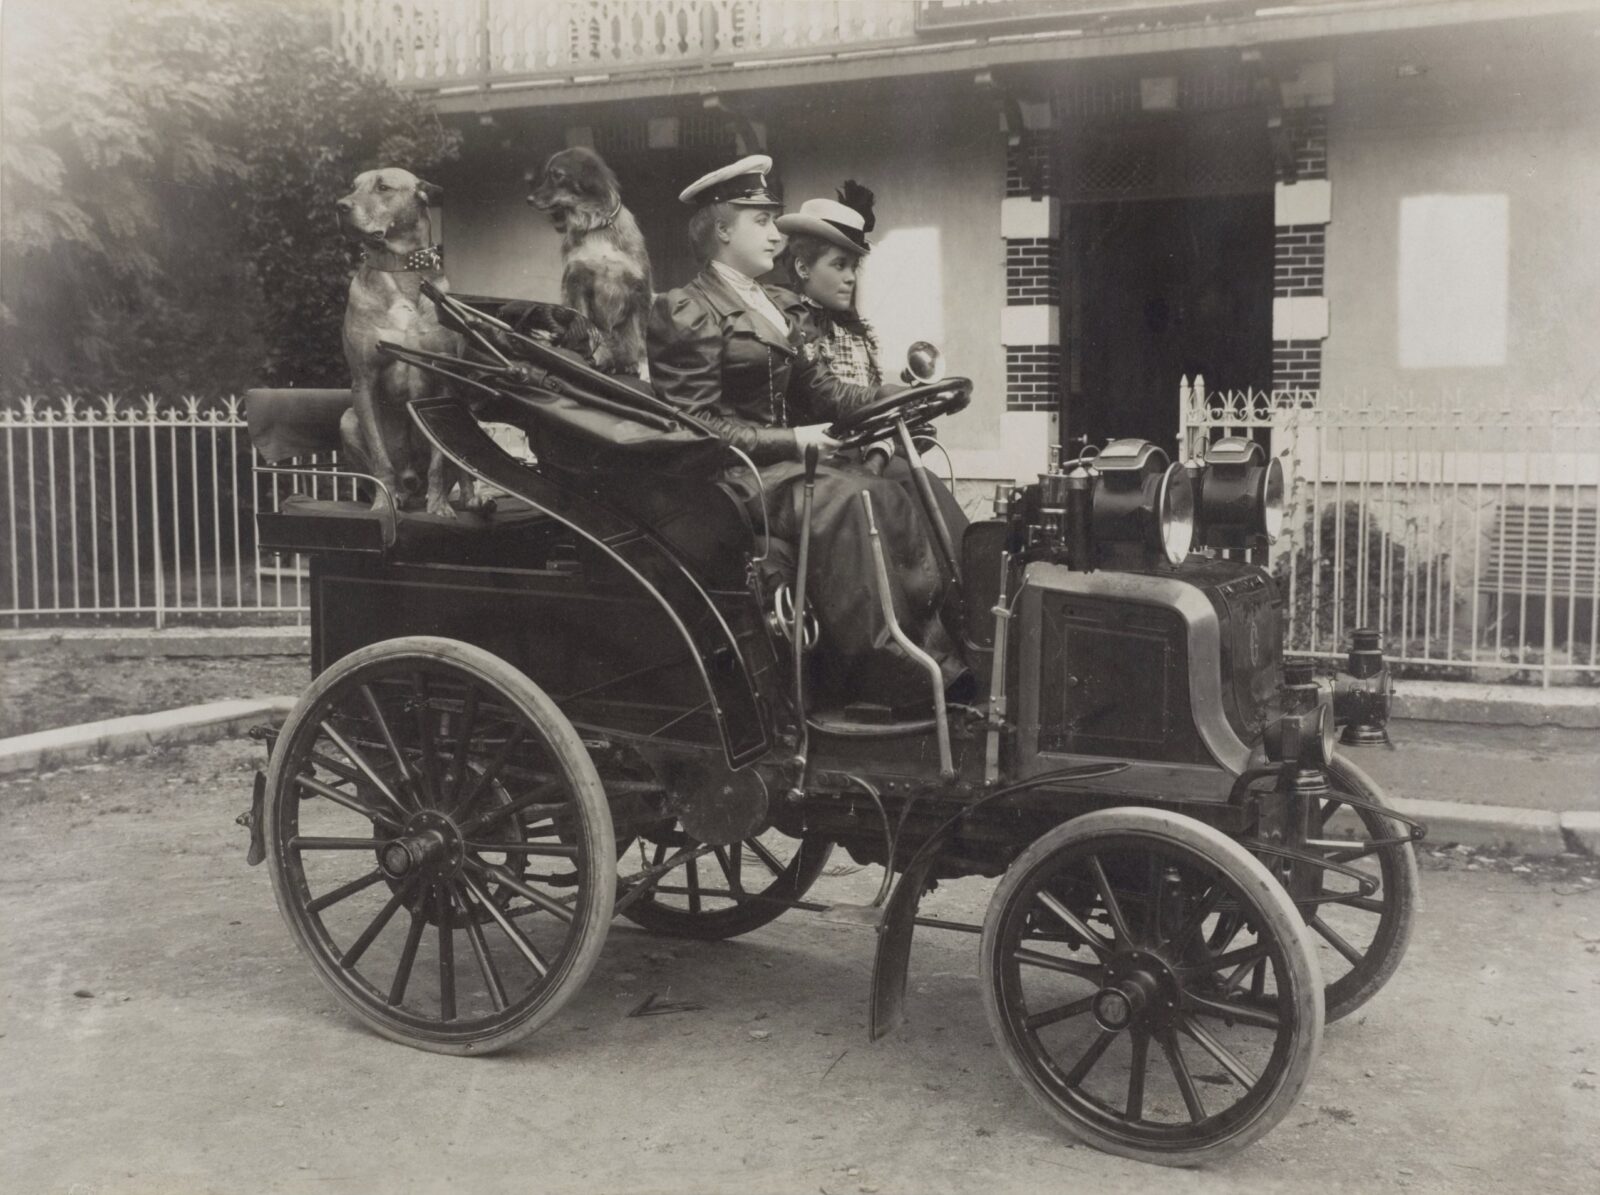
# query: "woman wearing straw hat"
[[728, 350], [827, 242]]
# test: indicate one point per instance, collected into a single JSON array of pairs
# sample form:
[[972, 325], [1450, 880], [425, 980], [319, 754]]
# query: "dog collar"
[[430, 258]]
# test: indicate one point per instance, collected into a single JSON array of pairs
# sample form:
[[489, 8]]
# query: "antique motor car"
[[596, 701]]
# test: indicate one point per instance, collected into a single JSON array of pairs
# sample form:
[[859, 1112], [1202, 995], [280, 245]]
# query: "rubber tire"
[[568, 751], [1401, 881], [1245, 870]]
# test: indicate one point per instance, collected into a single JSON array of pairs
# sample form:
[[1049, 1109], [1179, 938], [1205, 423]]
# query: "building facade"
[[1084, 203]]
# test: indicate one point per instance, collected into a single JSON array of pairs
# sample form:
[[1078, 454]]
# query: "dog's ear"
[[432, 193]]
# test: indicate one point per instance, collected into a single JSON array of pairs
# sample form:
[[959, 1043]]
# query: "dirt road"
[[158, 1033]]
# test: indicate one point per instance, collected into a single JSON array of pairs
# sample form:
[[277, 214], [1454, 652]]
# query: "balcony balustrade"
[[449, 45]]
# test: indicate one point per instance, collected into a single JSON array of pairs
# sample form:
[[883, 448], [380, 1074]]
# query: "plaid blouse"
[[849, 347]]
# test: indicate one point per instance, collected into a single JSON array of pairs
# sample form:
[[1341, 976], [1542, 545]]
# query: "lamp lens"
[[1272, 501], [1176, 512]]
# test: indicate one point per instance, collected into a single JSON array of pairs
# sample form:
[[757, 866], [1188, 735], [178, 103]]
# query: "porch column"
[[1302, 209], [1030, 322]]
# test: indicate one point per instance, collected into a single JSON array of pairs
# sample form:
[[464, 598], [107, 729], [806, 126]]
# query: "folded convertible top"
[[515, 371], [576, 417]]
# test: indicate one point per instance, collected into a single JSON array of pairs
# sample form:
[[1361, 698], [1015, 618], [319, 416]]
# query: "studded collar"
[[427, 260]]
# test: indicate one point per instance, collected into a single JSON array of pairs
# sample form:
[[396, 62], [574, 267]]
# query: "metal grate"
[[1168, 157]]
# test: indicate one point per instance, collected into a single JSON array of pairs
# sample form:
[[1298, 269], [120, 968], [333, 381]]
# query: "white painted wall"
[[1463, 249], [937, 269], [495, 244]]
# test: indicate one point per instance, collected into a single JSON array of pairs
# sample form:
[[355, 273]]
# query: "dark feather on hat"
[[853, 194]]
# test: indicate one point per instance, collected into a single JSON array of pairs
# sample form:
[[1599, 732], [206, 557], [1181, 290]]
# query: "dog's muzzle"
[[350, 224]]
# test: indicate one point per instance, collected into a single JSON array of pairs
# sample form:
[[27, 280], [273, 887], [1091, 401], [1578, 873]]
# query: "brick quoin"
[[1296, 365], [1299, 260], [1308, 139], [1032, 150], [1033, 272], [1033, 377], [1033, 279], [1299, 256]]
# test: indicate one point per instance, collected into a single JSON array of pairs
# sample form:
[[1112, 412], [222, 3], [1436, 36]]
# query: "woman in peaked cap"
[[827, 243], [727, 350]]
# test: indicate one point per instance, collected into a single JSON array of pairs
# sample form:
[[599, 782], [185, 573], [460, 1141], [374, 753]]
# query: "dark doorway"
[[1164, 289]]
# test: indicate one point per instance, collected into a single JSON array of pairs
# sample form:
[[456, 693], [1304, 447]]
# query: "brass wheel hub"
[[430, 845], [1139, 987]]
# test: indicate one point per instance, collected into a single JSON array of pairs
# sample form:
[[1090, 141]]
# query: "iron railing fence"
[[141, 511], [1468, 535]]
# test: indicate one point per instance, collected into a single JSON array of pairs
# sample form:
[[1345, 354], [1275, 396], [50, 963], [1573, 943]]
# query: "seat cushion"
[[512, 535]]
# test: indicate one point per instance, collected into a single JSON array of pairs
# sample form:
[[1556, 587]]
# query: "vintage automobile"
[[594, 701]]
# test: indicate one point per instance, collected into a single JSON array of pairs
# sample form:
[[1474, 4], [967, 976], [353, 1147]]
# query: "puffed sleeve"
[[684, 340], [684, 343]]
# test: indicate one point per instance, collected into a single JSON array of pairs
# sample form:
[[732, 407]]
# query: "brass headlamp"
[[924, 364], [1305, 737], [1142, 498], [1241, 495]]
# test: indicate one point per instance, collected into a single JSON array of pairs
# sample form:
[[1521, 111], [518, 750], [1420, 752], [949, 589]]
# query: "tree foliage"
[[166, 192], [311, 124]]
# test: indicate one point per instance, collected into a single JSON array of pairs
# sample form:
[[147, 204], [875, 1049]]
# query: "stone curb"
[[114, 738], [1582, 831], [144, 643], [1569, 707], [1499, 827]]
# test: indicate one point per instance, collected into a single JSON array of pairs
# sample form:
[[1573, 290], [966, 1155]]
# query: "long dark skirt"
[[858, 658]]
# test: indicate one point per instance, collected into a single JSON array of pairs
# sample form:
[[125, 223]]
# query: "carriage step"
[[251, 819]]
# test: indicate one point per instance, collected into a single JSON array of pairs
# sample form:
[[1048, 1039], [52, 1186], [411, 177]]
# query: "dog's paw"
[[441, 507]]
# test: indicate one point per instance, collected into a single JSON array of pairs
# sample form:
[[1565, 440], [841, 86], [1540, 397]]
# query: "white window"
[[1454, 254], [902, 292]]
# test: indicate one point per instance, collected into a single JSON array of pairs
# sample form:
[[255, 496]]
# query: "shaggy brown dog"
[[605, 270], [388, 212]]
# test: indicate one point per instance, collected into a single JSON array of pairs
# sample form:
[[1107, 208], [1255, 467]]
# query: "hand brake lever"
[[798, 639]]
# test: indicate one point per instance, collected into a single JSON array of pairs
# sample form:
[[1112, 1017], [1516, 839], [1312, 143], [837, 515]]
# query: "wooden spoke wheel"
[[724, 891], [1112, 1007], [440, 844], [1361, 939]]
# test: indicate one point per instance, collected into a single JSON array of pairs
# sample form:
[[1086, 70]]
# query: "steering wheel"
[[915, 404]]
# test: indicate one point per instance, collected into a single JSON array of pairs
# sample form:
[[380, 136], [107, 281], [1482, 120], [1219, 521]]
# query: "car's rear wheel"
[[440, 844]]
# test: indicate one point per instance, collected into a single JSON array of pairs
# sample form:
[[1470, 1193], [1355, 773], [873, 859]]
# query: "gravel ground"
[[159, 1033], [48, 690]]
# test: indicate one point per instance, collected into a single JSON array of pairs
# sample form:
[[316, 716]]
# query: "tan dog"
[[388, 212], [605, 270]]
